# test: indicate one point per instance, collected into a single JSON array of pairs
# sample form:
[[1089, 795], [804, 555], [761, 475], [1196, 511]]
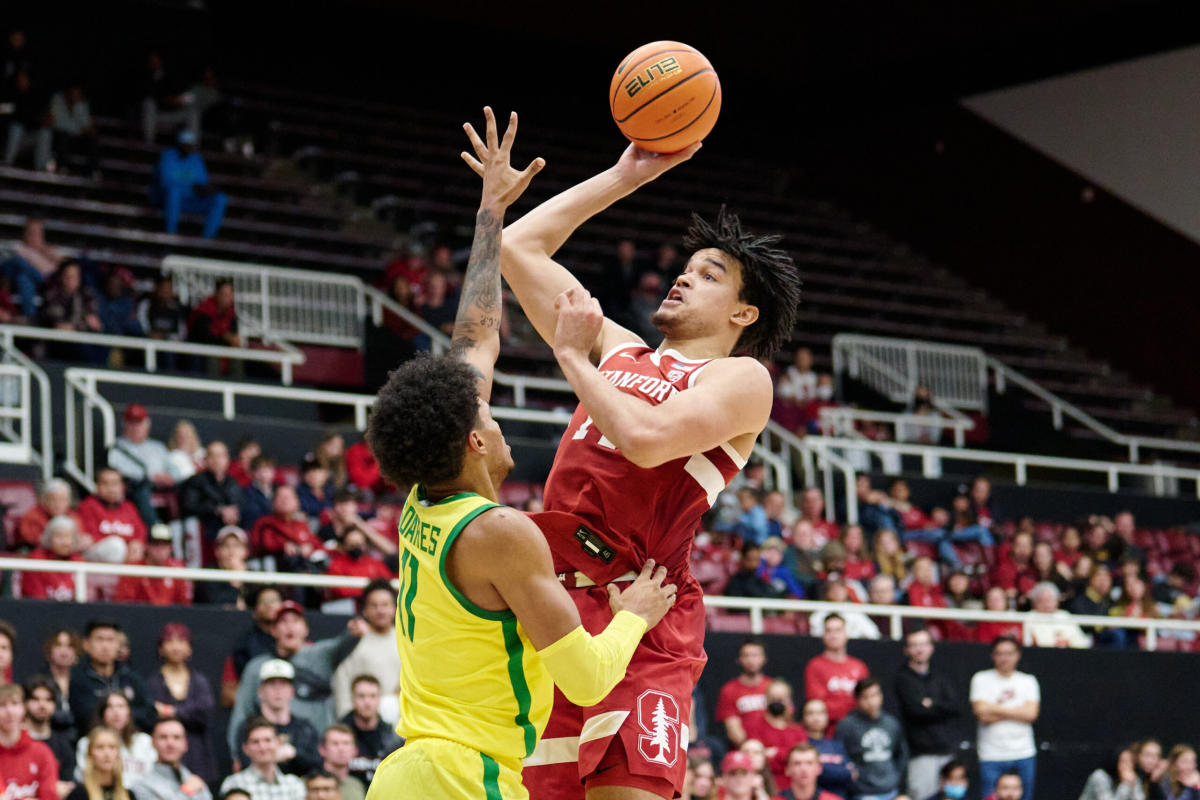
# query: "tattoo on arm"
[[479, 306]]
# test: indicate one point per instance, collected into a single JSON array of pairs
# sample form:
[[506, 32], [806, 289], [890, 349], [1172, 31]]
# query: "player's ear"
[[745, 315], [475, 442]]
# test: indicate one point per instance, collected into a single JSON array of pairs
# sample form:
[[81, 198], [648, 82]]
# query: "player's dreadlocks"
[[770, 280]]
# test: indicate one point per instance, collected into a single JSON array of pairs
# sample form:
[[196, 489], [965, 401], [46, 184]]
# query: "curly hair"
[[421, 419], [770, 280]]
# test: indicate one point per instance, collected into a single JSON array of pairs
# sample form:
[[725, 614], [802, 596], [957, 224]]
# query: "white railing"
[[16, 415], [285, 356], [81, 570], [277, 303], [955, 375], [10, 355], [82, 392], [784, 446], [840, 421]]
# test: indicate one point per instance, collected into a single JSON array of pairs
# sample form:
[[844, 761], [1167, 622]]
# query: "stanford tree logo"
[[658, 717]]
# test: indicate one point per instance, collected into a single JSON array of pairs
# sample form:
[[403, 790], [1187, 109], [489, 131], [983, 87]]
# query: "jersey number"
[[583, 431]]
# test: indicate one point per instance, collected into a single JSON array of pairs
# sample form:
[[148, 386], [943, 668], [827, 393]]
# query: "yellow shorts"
[[438, 769]]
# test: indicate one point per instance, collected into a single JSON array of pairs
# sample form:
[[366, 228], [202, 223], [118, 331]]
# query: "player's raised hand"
[[502, 184], [637, 166], [647, 596], [579, 320]]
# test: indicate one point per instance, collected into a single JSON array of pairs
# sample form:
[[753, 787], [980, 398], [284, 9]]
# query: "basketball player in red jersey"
[[658, 434]]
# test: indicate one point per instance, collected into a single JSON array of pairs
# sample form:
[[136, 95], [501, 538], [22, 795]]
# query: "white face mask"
[[825, 392]]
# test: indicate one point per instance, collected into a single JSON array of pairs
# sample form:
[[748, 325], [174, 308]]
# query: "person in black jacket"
[[98, 673], [929, 708], [747, 582], [212, 496]]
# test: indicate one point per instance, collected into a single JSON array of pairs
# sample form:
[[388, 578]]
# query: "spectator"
[[330, 453], [859, 566], [1010, 786], [835, 767], [881, 591], [247, 450], [41, 703], [215, 322], [643, 301], [1015, 572], [265, 602], [285, 535], [929, 709], [61, 650], [996, 599], [764, 780], [780, 518], [337, 750], [1149, 762], [163, 317], [772, 570], [29, 264], [350, 558], [185, 454], [137, 751], [874, 743], [803, 556], [375, 654], [231, 547], [924, 590], [68, 305], [1182, 781], [1122, 546], [874, 509], [54, 501], [1135, 600], [60, 542], [857, 625], [117, 311], [99, 674], [812, 510], [374, 738], [1007, 703], [803, 770], [276, 692], [953, 782], [699, 781], [344, 517], [747, 582], [8, 649], [74, 133], [742, 701], [751, 525], [211, 496], [889, 557], [958, 592], [315, 491], [1116, 779], [798, 384], [1180, 578], [170, 778], [156, 591], [183, 694], [911, 517], [321, 784], [103, 772], [1046, 568], [314, 667], [1050, 626], [262, 778], [259, 490], [440, 303], [142, 461], [777, 729], [362, 469], [832, 676], [738, 778], [28, 768], [29, 123], [981, 502], [164, 102]]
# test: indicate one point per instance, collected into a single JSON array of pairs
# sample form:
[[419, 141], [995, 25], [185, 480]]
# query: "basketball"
[[665, 96]]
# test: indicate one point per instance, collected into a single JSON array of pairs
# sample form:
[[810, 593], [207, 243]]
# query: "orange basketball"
[[665, 96]]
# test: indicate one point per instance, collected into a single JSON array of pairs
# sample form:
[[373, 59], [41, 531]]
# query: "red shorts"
[[637, 736]]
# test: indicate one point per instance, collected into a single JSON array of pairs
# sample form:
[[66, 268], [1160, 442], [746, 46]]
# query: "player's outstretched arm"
[[531, 242], [476, 337], [729, 402], [513, 555]]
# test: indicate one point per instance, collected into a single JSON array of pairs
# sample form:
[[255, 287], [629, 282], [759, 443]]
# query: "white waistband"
[[582, 580]]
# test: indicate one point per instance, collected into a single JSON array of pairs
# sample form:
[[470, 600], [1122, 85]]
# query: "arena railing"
[[756, 609], [955, 375], [44, 454], [840, 421], [285, 356], [16, 415]]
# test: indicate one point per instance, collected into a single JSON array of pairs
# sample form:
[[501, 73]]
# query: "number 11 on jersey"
[[583, 431]]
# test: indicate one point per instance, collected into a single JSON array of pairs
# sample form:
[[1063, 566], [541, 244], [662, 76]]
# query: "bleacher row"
[[335, 160]]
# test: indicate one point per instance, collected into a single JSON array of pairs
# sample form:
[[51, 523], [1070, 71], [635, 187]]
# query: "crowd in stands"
[[840, 743]]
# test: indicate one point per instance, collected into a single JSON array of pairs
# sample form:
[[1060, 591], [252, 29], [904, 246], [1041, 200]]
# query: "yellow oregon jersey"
[[468, 675]]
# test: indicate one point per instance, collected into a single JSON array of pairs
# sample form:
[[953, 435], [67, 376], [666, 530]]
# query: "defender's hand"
[[637, 166], [579, 321], [647, 596], [502, 184]]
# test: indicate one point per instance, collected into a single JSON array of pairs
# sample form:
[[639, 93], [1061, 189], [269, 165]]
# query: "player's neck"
[[698, 349]]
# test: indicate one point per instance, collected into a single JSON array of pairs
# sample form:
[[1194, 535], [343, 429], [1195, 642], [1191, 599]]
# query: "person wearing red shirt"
[[363, 469], [60, 542], [241, 467], [911, 517], [156, 591], [28, 768], [996, 600], [832, 675], [812, 510], [859, 565], [803, 768], [284, 533], [745, 697], [1015, 573], [778, 730], [351, 558], [113, 523], [924, 590], [55, 500]]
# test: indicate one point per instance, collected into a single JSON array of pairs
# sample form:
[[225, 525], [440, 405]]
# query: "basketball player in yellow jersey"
[[485, 628]]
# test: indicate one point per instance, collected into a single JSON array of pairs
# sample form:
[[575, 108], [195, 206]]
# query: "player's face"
[[703, 299], [499, 454]]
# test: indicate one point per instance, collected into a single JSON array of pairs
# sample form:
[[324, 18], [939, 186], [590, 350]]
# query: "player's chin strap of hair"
[[586, 667]]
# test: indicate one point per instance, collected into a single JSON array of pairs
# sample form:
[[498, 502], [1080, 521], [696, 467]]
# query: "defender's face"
[[703, 298], [499, 454]]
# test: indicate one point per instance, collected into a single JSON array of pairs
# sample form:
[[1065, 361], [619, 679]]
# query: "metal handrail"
[[757, 607], [20, 448], [9, 351], [285, 356], [848, 350], [841, 421]]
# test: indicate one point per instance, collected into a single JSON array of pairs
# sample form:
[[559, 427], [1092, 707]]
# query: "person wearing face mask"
[[777, 729], [351, 558], [952, 782]]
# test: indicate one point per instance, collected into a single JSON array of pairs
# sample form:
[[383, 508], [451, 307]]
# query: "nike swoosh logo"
[[598, 770]]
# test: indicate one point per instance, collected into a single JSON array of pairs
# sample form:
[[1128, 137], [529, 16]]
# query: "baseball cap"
[[288, 607], [160, 532], [735, 759], [276, 668], [136, 412], [232, 530]]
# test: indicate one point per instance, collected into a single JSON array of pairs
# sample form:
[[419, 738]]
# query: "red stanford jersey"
[[632, 513]]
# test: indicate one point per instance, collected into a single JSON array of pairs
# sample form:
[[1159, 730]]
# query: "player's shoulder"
[[500, 531], [748, 371]]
